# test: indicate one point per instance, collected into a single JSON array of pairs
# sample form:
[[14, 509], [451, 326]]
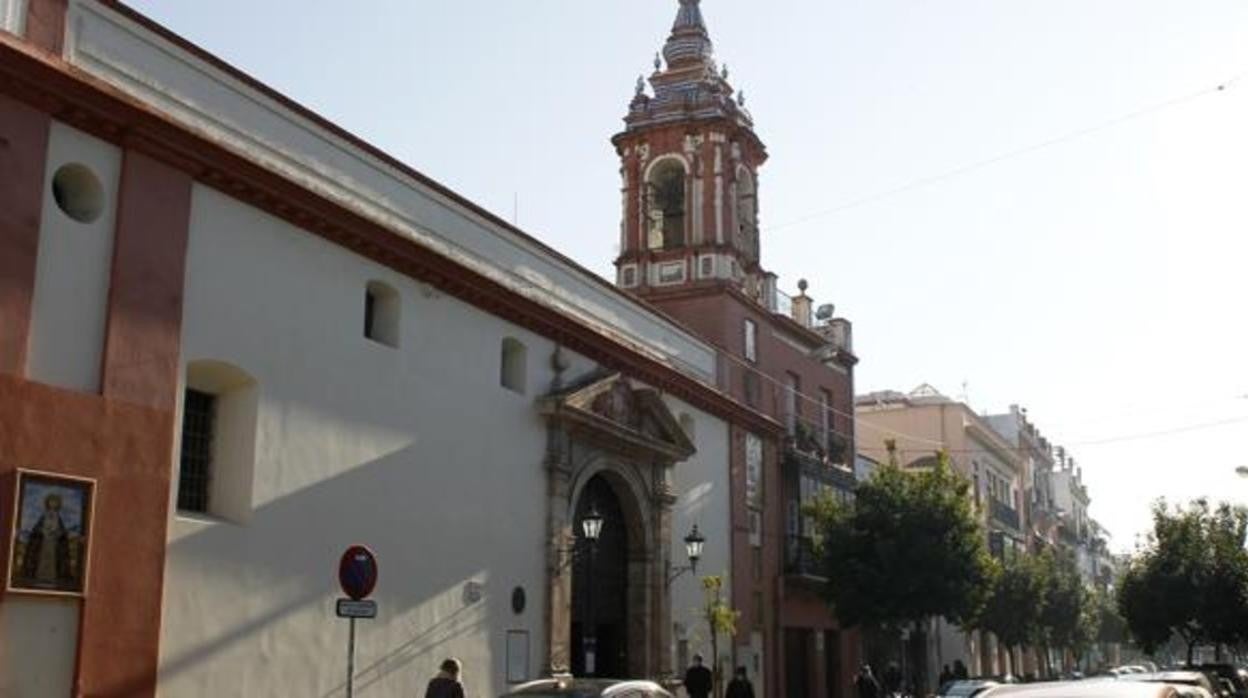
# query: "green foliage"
[[1111, 627], [1065, 617], [1191, 579], [1142, 603], [721, 619], [1013, 609], [1042, 599], [910, 547]]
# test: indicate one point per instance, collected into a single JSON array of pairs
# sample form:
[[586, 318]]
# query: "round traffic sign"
[[357, 572]]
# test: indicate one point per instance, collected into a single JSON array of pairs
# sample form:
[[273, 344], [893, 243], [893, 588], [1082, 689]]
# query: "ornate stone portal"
[[604, 427]]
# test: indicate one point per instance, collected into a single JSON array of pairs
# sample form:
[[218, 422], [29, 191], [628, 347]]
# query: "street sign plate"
[[357, 572], [351, 608]]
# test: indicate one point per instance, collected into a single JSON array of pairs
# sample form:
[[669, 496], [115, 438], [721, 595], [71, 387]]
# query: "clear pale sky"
[[1099, 281]]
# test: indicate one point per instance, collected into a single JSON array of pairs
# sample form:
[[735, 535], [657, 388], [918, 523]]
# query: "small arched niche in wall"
[[513, 365], [381, 313]]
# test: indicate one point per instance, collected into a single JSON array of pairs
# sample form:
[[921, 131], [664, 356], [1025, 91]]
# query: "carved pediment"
[[620, 416]]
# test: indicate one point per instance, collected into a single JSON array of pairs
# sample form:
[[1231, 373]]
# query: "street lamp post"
[[591, 528], [693, 550]]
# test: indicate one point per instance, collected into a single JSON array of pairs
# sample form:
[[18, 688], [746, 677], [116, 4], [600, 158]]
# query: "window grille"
[[198, 412]]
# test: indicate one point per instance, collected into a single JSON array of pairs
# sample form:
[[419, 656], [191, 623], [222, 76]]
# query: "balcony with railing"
[[1005, 515], [838, 332], [800, 558]]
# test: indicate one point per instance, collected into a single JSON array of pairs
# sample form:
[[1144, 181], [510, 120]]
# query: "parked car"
[[1094, 689], [966, 688], [568, 687], [1181, 678], [1228, 672]]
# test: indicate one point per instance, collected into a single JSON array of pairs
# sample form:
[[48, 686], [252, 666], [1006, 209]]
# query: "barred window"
[[194, 480]]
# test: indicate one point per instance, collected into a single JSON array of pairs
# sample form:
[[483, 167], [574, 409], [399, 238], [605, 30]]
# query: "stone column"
[[558, 574], [663, 549]]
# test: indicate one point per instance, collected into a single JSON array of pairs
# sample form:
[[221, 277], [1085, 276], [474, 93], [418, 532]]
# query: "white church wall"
[[416, 451], [260, 128], [701, 484]]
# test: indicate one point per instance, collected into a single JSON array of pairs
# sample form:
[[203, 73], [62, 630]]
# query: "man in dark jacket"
[[868, 687], [446, 683], [698, 680], [740, 686]]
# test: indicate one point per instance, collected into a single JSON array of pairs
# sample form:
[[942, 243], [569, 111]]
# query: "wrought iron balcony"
[[1005, 515], [828, 447], [800, 558]]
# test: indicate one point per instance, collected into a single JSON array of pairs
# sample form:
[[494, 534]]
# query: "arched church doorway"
[[600, 573]]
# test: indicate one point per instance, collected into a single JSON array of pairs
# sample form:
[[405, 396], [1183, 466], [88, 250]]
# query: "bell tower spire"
[[689, 165]]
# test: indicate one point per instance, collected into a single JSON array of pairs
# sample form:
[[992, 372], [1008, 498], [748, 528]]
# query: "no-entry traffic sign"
[[357, 572]]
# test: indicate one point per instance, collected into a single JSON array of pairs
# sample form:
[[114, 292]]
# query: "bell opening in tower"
[[667, 206]]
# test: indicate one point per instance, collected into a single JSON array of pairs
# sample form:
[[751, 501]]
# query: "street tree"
[[1223, 613], [1014, 605], [720, 619], [1065, 609], [1190, 579], [908, 547]]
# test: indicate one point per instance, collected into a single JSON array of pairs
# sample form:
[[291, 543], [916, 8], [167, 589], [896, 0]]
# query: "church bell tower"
[[689, 165]]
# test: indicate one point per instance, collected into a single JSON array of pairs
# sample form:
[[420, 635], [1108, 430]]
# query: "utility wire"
[[1112, 439], [988, 162], [860, 421], [932, 179]]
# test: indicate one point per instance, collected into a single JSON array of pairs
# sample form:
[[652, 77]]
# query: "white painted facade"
[[73, 268], [417, 451], [701, 484], [253, 124], [327, 438], [13, 16], [42, 663]]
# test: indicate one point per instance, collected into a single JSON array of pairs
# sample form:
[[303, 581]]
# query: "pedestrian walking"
[[740, 686], [446, 684], [959, 670], [892, 680], [867, 686], [698, 679], [946, 676]]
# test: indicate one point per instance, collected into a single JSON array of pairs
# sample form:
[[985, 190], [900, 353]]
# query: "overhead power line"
[[1162, 432], [815, 420], [988, 162]]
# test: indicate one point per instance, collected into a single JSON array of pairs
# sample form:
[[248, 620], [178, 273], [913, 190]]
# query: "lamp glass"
[[693, 544], [591, 525]]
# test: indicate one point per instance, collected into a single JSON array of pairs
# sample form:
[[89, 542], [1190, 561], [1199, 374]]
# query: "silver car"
[[568, 687]]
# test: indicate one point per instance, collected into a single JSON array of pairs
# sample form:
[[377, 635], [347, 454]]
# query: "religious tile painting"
[[51, 533]]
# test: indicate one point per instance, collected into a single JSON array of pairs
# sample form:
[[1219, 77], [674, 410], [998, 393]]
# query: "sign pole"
[[357, 574], [351, 660]]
